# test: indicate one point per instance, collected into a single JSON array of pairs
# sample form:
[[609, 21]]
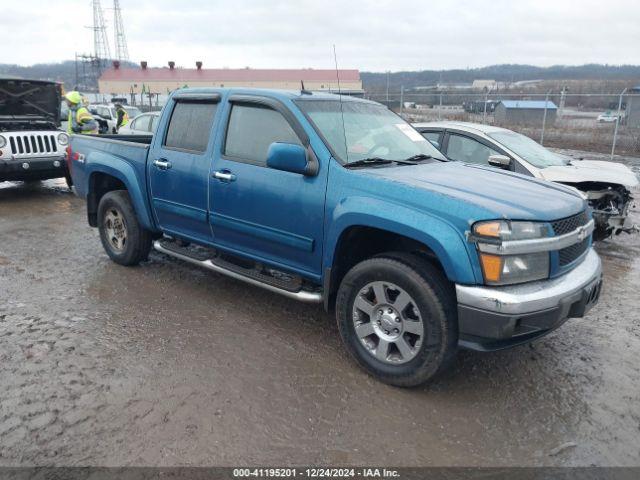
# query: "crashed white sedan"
[[606, 185]]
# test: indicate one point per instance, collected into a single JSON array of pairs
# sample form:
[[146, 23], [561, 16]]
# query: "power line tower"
[[120, 40], [100, 42]]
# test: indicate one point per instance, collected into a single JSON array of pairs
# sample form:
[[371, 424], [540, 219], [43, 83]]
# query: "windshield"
[[530, 150], [371, 131], [132, 111]]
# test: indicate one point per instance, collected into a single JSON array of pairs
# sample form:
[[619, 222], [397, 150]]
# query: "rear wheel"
[[123, 238], [397, 317]]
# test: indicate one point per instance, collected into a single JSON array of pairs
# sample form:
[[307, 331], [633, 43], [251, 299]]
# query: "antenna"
[[303, 90], [344, 131], [120, 40]]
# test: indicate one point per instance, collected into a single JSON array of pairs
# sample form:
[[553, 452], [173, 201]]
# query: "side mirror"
[[292, 158], [500, 161]]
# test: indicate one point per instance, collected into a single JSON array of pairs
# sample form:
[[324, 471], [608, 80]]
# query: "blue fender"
[[441, 237], [108, 164]]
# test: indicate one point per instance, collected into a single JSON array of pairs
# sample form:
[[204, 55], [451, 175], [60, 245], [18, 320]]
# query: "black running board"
[[227, 268]]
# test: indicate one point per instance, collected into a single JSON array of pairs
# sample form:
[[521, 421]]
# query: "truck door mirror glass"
[[289, 158], [500, 161]]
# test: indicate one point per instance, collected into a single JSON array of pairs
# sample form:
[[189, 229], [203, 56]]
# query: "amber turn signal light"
[[488, 229], [491, 267]]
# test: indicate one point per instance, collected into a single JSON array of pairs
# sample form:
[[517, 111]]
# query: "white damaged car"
[[607, 185]]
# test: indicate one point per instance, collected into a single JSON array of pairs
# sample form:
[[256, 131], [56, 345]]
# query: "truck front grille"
[[567, 225], [570, 254], [33, 144]]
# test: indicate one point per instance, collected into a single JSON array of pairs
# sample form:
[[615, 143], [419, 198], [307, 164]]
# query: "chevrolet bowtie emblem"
[[582, 233]]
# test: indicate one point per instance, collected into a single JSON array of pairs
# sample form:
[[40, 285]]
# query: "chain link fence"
[[604, 123]]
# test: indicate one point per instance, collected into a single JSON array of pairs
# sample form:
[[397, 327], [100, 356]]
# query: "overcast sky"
[[369, 35]]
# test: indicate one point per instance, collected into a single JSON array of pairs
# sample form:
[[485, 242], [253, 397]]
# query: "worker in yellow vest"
[[122, 116], [79, 120]]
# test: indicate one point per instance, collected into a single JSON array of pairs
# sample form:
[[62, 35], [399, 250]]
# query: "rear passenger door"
[[179, 164], [269, 215]]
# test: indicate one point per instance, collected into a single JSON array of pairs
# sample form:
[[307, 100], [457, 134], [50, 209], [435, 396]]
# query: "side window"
[[252, 129], [433, 137], [154, 123], [468, 150], [190, 126], [141, 123]]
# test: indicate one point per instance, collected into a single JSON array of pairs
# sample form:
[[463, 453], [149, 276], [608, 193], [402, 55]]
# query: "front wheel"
[[397, 317], [123, 238]]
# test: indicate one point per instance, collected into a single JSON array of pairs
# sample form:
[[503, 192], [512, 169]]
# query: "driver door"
[[266, 214]]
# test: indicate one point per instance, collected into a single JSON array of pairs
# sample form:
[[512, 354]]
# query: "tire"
[[433, 303], [123, 238]]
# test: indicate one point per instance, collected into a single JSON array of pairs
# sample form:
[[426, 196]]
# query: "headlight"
[[504, 230], [509, 269], [63, 138], [3, 142]]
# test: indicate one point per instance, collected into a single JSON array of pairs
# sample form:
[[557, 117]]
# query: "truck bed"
[[120, 150]]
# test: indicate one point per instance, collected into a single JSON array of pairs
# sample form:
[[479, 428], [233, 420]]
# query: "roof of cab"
[[274, 93]]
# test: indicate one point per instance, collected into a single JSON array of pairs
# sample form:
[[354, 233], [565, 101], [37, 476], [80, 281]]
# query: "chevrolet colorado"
[[337, 200]]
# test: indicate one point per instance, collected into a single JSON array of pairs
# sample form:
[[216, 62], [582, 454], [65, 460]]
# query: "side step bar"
[[300, 295]]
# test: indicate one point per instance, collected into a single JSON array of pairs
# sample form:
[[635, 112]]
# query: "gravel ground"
[[166, 364]]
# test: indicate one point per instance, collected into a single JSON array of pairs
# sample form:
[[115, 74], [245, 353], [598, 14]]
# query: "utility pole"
[[76, 67], [544, 117], [401, 99], [615, 130], [563, 97], [486, 99], [120, 40], [388, 73]]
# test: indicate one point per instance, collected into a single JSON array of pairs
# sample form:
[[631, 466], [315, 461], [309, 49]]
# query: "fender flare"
[[124, 172], [447, 243]]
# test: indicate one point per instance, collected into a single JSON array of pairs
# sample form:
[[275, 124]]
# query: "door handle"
[[162, 164], [224, 175]]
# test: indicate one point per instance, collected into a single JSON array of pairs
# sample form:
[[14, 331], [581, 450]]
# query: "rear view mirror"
[[289, 157], [500, 161]]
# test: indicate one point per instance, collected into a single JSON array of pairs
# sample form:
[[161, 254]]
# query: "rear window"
[[190, 126]]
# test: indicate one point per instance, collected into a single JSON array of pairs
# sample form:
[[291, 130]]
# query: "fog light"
[[25, 165], [56, 163]]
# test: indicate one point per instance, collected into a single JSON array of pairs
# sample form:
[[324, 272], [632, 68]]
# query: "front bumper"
[[493, 318], [32, 168]]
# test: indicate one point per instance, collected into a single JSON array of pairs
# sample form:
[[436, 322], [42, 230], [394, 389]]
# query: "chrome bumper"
[[535, 296], [493, 318]]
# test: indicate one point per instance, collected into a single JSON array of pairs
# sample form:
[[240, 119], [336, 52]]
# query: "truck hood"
[[579, 171], [499, 193], [27, 101]]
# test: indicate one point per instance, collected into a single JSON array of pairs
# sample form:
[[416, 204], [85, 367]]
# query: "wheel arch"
[[108, 178], [357, 241]]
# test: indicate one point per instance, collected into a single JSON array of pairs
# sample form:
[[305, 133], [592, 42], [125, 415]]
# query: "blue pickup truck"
[[337, 200]]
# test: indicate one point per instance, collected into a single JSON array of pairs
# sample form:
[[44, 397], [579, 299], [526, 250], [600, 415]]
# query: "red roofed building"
[[121, 81]]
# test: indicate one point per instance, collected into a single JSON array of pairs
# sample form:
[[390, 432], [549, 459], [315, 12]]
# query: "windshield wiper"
[[377, 161], [418, 157], [368, 161]]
